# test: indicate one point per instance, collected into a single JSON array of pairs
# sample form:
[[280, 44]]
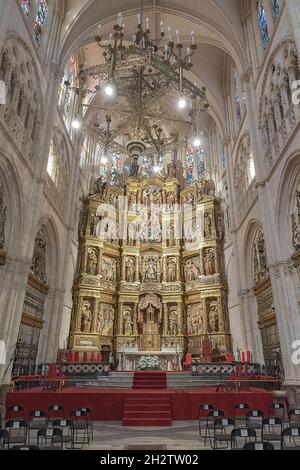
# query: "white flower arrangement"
[[149, 363]]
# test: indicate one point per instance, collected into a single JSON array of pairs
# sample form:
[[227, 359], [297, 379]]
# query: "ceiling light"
[[109, 89], [197, 142], [156, 169], [182, 103], [104, 160], [76, 123]]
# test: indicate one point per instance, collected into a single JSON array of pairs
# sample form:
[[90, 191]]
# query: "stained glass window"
[[223, 156], [115, 165], [201, 162], [236, 98], [40, 21], [275, 6], [262, 23], [25, 5], [189, 163], [52, 166], [83, 152]]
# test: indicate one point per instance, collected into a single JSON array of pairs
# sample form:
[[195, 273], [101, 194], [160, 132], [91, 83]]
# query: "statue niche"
[[149, 323]]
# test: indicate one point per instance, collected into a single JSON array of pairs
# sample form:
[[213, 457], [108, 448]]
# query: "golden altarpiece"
[[147, 283]]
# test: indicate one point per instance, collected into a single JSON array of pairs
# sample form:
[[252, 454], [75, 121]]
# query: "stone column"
[[5, 12], [123, 272], [137, 268], [165, 320], [286, 302]]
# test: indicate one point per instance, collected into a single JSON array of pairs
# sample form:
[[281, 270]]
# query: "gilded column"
[[137, 268]]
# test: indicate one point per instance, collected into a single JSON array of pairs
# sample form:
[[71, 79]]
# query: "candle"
[[243, 357], [161, 26], [193, 37], [170, 33], [166, 52], [147, 23], [177, 36], [134, 39], [139, 19], [120, 19], [248, 356], [99, 29]]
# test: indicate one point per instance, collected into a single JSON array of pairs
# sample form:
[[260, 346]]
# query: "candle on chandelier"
[[161, 26], [134, 39], [193, 37], [99, 29], [188, 51], [120, 19], [138, 19], [177, 36], [147, 23], [166, 52], [170, 33]]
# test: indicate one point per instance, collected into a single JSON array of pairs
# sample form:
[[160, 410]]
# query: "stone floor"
[[183, 435]]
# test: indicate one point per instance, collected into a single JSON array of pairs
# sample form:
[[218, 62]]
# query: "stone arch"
[[276, 95], [289, 182], [254, 226], [14, 202]]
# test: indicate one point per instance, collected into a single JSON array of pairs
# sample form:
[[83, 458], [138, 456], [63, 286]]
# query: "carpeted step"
[[149, 383], [146, 407], [147, 422], [146, 387], [146, 414], [147, 400]]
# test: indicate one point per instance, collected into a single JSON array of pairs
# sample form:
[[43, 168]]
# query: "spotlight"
[[76, 123], [197, 142], [109, 89], [182, 103]]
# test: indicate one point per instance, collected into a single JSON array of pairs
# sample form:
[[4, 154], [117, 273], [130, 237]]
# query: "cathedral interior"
[[150, 183]]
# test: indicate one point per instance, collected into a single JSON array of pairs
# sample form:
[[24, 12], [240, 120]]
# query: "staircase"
[[147, 410], [144, 409], [149, 380]]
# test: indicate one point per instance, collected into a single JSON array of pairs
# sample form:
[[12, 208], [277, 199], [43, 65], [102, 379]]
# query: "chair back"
[[36, 414], [258, 446], [16, 411], [4, 438]]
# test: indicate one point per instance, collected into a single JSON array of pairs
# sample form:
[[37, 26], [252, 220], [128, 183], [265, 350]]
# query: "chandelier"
[[137, 73]]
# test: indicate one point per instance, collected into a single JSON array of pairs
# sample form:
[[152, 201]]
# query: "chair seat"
[[272, 437], [223, 437]]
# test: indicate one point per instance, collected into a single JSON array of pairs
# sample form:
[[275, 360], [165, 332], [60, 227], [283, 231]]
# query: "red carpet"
[[149, 380], [108, 403]]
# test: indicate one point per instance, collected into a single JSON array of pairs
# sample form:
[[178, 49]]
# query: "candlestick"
[[120, 19], [193, 37]]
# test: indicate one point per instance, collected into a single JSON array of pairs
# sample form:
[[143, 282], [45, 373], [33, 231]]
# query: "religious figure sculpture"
[[86, 317], [95, 219], [130, 270], [213, 318], [2, 218], [191, 271], [134, 168], [99, 186], [295, 232], [207, 225], [171, 270], [38, 264], [173, 321], [170, 198], [92, 262], [100, 322], [127, 323], [109, 269], [172, 169], [209, 262]]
